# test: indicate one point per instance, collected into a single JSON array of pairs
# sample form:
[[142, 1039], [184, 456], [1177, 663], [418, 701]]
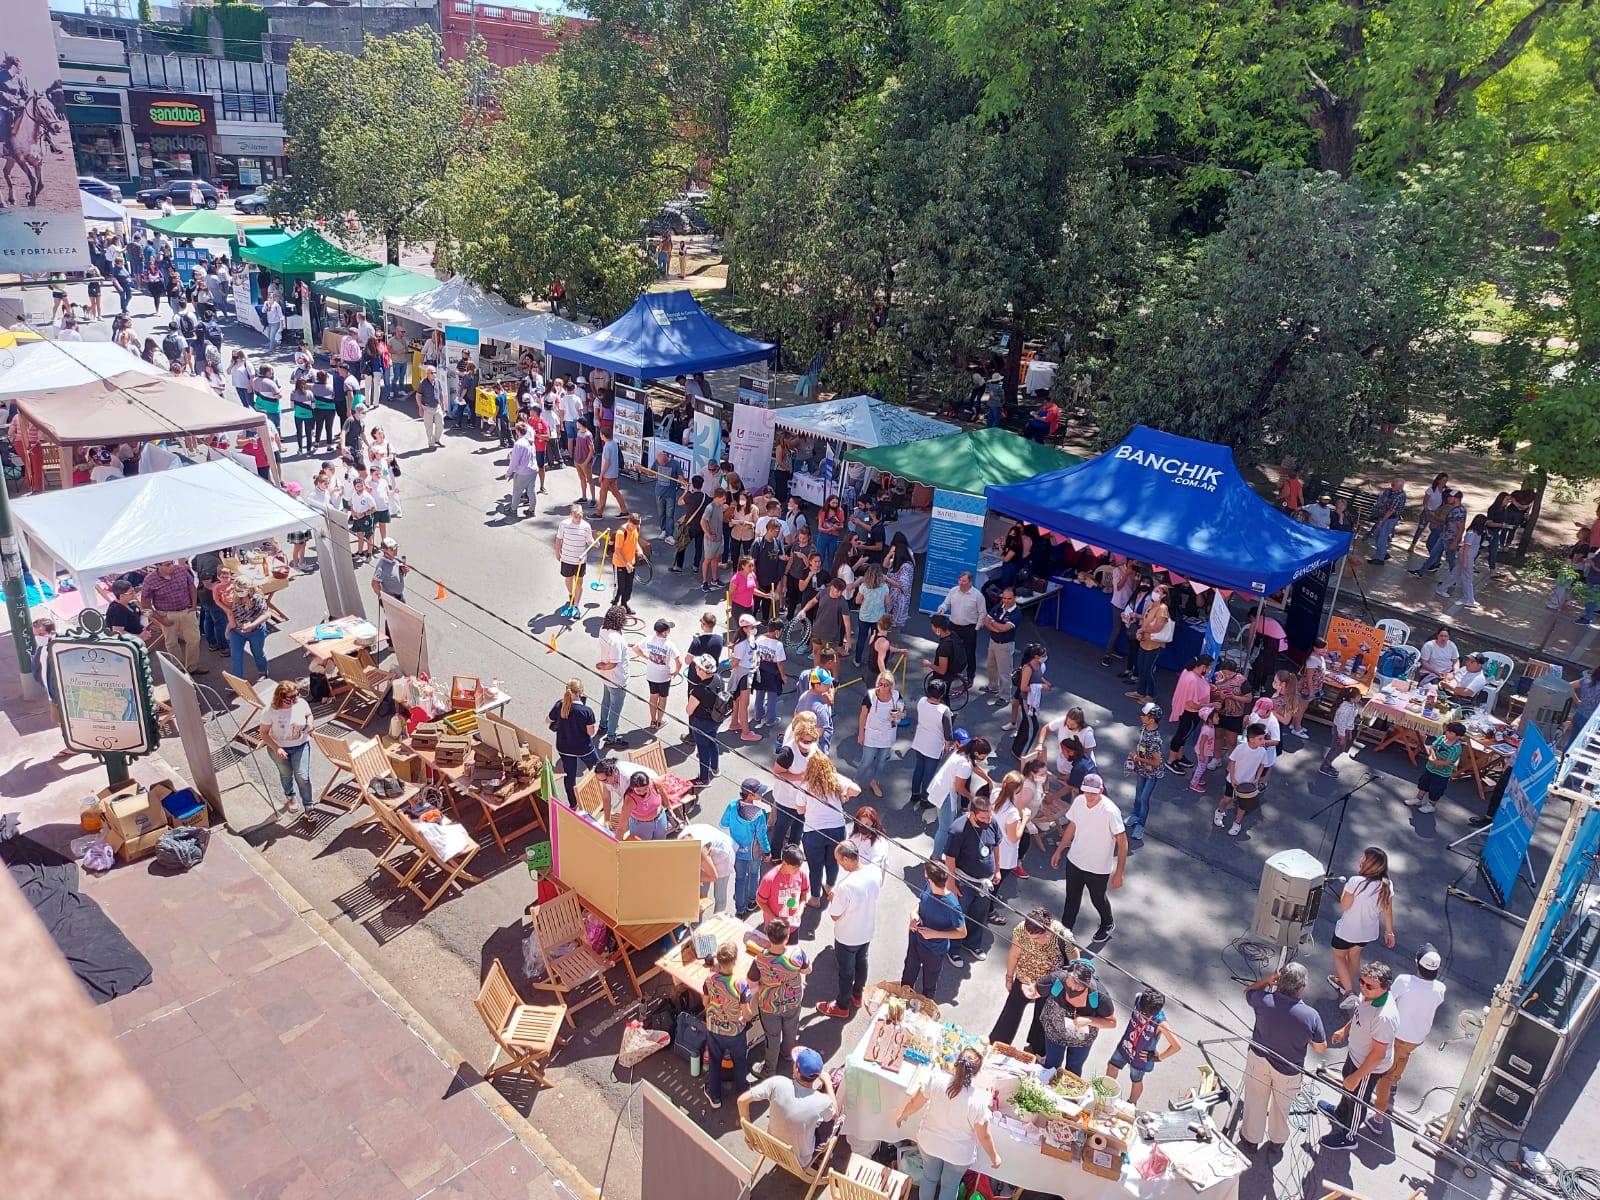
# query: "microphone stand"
[[1344, 803]]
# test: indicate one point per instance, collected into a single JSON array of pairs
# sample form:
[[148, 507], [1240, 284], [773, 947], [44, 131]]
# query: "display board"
[[244, 308], [1353, 648], [955, 539], [632, 882], [627, 425], [103, 685], [755, 388], [707, 439], [751, 452], [1506, 847]]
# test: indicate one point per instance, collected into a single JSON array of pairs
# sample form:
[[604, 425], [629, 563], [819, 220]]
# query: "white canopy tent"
[[861, 421], [455, 302], [122, 524], [97, 208], [533, 329], [48, 366]]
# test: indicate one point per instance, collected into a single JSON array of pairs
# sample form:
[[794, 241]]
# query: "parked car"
[[251, 205], [99, 187], [177, 190]]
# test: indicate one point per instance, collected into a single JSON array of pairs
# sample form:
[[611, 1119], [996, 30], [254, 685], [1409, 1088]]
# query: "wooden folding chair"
[[400, 852], [453, 871], [863, 1179], [569, 960], [249, 731], [769, 1149], [528, 1033], [1517, 701], [652, 756], [365, 685], [346, 795]]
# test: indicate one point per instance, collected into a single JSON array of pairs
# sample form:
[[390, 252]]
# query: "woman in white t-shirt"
[[741, 676], [1365, 906], [286, 731], [1014, 819], [662, 661], [954, 1127], [823, 792], [1265, 715], [877, 723], [933, 733]]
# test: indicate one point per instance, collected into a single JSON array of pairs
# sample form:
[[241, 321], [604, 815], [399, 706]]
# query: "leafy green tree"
[[1297, 329], [379, 136]]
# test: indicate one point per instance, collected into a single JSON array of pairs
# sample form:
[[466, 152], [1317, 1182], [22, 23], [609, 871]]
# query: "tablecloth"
[[1040, 376]]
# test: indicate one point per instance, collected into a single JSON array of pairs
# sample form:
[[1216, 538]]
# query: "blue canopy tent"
[[662, 335], [1160, 498]]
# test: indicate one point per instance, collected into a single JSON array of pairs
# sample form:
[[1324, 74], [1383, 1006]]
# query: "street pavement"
[[1189, 894]]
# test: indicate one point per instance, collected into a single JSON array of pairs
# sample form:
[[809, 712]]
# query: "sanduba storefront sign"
[[166, 112]]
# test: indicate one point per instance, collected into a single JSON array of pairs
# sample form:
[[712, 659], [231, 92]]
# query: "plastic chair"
[[1395, 631], [1497, 669], [527, 1033]]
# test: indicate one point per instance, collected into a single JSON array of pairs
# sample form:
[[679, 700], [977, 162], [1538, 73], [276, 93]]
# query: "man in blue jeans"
[[854, 909], [1148, 764], [970, 855], [938, 920]]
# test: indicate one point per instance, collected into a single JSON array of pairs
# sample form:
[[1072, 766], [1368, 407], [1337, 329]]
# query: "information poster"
[[682, 455], [1353, 648], [244, 308], [98, 683], [458, 340], [1506, 847], [627, 417], [751, 452], [188, 260], [756, 390], [955, 539]]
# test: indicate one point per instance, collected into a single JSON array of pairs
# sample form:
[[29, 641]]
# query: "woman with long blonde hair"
[[823, 792], [1365, 906], [574, 724]]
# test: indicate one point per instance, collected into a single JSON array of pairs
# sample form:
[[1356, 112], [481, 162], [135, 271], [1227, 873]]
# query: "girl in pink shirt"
[[1205, 748], [742, 591]]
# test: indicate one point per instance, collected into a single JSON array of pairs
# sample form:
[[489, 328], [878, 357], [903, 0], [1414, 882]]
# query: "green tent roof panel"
[[372, 288], [202, 222], [306, 253], [966, 462]]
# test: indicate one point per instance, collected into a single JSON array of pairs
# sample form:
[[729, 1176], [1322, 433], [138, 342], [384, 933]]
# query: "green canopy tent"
[[202, 222], [370, 289], [306, 253], [965, 462]]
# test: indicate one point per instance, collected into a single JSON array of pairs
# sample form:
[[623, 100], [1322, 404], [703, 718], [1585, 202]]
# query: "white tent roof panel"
[[103, 528], [862, 421]]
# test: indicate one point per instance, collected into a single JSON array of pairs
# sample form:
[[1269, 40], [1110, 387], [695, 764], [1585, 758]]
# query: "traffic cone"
[[551, 646], [441, 594]]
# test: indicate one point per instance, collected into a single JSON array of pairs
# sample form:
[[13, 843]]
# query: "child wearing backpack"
[[1136, 1049]]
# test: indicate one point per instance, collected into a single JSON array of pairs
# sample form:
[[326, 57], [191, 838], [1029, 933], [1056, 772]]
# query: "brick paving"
[[291, 1077]]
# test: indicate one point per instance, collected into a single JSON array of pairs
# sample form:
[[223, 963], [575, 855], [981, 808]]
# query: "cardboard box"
[[131, 811], [131, 849], [184, 807]]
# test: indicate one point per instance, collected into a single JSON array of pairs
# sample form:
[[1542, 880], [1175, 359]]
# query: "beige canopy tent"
[[131, 407]]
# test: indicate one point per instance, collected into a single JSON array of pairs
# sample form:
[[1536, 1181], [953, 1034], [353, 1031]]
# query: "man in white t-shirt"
[[574, 536], [1439, 657], [1370, 1035], [613, 669], [1096, 847], [1467, 680], [1416, 999], [1243, 787], [854, 909], [716, 862]]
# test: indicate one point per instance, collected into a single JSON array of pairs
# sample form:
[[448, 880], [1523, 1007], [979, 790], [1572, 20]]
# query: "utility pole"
[[16, 592]]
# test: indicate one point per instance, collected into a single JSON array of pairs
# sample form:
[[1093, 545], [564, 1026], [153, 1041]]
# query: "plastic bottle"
[[694, 1064], [89, 818]]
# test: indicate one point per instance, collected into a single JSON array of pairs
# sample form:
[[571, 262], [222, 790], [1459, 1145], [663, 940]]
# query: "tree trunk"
[[391, 245], [1525, 542]]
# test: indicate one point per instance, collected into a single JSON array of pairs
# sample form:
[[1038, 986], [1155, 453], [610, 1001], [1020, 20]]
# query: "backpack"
[[1393, 662], [172, 346], [186, 325]]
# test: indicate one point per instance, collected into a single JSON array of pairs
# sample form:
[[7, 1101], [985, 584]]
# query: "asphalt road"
[[1189, 894]]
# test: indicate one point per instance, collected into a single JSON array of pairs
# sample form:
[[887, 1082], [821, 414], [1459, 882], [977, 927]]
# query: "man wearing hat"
[[354, 434], [389, 572], [800, 1102], [817, 699], [1417, 999], [1148, 766], [1096, 846]]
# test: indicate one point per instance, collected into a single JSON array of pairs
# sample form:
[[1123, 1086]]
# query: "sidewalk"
[[290, 1075]]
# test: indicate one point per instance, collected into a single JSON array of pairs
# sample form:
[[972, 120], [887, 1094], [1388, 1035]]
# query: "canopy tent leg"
[[1338, 579]]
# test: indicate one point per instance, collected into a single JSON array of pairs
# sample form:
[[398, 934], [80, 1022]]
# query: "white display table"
[[874, 1097]]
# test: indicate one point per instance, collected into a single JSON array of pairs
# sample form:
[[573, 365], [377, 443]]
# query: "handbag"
[[682, 534]]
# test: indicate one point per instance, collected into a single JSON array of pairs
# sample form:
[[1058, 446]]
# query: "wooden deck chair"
[[528, 1033], [1518, 699], [400, 859], [346, 795], [365, 685], [863, 1179], [569, 961], [452, 871], [249, 731], [769, 1149], [652, 756]]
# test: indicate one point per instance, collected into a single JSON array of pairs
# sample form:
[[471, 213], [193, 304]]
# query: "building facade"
[[510, 35]]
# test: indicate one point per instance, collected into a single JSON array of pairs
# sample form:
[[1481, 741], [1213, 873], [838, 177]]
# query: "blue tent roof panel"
[[1171, 500], [663, 334]]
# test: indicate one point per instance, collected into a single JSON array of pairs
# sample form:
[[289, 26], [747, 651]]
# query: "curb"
[[524, 1130]]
